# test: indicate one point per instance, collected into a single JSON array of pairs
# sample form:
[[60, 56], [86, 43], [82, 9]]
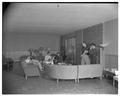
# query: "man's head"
[[58, 53], [48, 52], [86, 52], [93, 46], [29, 57]]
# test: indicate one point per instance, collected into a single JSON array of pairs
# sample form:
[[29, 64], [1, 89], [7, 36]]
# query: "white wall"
[[110, 35], [17, 43]]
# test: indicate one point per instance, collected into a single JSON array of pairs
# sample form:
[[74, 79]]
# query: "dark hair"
[[58, 52], [48, 52], [93, 44]]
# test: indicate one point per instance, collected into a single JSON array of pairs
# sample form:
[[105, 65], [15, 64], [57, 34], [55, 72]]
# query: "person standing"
[[93, 53], [85, 58]]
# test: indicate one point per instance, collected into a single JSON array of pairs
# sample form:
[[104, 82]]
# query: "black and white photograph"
[[60, 48]]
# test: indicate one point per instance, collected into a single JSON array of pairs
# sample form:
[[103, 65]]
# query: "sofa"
[[90, 71], [75, 72], [61, 72]]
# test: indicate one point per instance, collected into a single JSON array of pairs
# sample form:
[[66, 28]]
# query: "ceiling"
[[59, 18]]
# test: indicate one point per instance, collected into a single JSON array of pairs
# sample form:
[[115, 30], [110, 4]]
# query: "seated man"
[[34, 61], [28, 60], [58, 58], [48, 58]]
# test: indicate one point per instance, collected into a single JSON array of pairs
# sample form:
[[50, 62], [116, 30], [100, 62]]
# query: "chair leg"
[[101, 78], [113, 82], [78, 80], [26, 77], [106, 76], [75, 80], [57, 80]]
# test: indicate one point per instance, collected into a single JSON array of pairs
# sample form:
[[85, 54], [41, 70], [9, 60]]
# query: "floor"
[[14, 83]]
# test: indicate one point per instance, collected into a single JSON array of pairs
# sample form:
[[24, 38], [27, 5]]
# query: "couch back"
[[89, 71], [74, 71], [61, 71]]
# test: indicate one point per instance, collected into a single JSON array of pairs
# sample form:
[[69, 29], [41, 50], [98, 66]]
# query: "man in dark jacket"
[[58, 58]]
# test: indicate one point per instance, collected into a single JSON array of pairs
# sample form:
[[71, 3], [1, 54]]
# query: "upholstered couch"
[[74, 71], [61, 71], [90, 71]]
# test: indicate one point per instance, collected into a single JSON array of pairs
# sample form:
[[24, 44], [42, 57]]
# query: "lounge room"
[[60, 48]]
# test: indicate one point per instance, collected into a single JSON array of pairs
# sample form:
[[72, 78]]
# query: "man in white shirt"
[[48, 58]]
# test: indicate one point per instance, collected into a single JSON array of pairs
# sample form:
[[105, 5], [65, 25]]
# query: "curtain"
[[70, 48]]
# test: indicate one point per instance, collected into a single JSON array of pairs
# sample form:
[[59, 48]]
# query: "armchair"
[[30, 69]]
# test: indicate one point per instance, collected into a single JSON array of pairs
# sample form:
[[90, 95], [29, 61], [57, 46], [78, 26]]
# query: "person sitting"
[[58, 58], [34, 61], [48, 58], [85, 58]]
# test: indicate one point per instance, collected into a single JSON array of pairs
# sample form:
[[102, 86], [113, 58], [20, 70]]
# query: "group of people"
[[53, 59], [47, 60], [89, 55]]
